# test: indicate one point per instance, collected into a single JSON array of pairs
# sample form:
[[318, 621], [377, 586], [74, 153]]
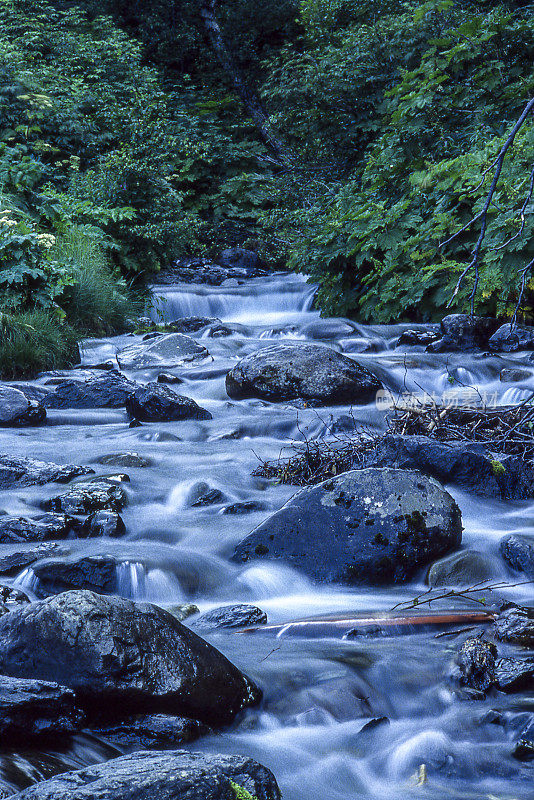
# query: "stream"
[[313, 728]]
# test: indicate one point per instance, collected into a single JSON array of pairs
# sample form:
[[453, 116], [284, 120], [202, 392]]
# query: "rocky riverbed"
[[173, 626]]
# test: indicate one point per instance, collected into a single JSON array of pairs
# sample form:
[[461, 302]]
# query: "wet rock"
[[524, 750], [240, 258], [190, 324], [301, 371], [103, 391], [167, 377], [246, 507], [31, 709], [514, 674], [476, 661], [96, 573], [467, 568], [515, 375], [14, 558], [17, 411], [462, 333], [103, 523], [370, 526], [238, 616], [155, 402], [328, 329], [518, 551], [515, 625], [153, 732], [210, 498], [183, 611], [177, 775], [122, 658], [467, 464], [12, 597], [17, 471], [508, 340], [218, 331], [124, 460], [418, 337], [45, 528], [168, 350], [85, 498], [32, 391]]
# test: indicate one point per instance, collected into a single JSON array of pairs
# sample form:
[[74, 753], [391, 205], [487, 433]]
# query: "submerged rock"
[[301, 371], [122, 658], [85, 498], [97, 573], [508, 340], [103, 391], [155, 402], [476, 661], [514, 674], [18, 411], [365, 526], [18, 471], [238, 616], [167, 350], [467, 568], [153, 732], [31, 709], [518, 551], [209, 498], [515, 375], [177, 775], [103, 523], [467, 464], [124, 460], [516, 626], [14, 558], [245, 507], [45, 528]]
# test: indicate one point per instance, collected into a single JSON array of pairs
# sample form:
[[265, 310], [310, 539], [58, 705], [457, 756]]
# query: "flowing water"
[[321, 692]]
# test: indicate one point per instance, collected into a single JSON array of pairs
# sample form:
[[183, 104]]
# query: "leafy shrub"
[[32, 341]]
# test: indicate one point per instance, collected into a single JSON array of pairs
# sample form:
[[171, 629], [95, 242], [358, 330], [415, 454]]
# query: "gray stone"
[[103, 391], [47, 527], [183, 611], [14, 558], [122, 658], [103, 523], [506, 340], [518, 551], [97, 573], [237, 616], [31, 709], [370, 526], [124, 460], [515, 375], [246, 507], [463, 333], [467, 568], [514, 674], [153, 732], [301, 371], [476, 661], [155, 402], [85, 498], [12, 597], [168, 350], [17, 471], [18, 411], [177, 775], [515, 625]]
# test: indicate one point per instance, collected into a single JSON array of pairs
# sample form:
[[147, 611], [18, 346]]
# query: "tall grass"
[[32, 341]]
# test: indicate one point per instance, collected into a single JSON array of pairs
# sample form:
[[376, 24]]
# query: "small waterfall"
[[137, 582]]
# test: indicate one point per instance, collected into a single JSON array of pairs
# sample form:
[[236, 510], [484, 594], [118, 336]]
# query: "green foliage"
[[32, 341], [241, 793]]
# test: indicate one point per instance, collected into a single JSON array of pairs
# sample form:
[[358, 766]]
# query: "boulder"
[[31, 709], [515, 375], [190, 324], [85, 498], [21, 529], [209, 498], [467, 568], [97, 573], [103, 523], [122, 658], [155, 402], [508, 340], [418, 337], [17, 471], [124, 460], [167, 350], [18, 411], [462, 333], [183, 610], [246, 507], [301, 371], [476, 661], [14, 558], [241, 259], [514, 674], [168, 377], [238, 616], [518, 551], [515, 625], [371, 526], [467, 464], [12, 597], [152, 732], [176, 775], [103, 391]]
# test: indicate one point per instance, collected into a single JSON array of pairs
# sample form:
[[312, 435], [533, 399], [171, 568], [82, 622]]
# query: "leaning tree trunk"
[[247, 96]]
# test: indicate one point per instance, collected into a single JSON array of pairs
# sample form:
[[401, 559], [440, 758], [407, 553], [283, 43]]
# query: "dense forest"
[[345, 139]]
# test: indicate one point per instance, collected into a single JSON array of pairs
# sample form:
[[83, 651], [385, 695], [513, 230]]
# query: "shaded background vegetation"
[[124, 146]]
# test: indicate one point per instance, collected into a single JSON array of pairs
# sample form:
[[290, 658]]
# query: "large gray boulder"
[[17, 471], [88, 497], [121, 658], [509, 340], [178, 775], [168, 350], [463, 333], [301, 371], [22, 529], [155, 402], [103, 391], [98, 572], [370, 526], [31, 709], [18, 411]]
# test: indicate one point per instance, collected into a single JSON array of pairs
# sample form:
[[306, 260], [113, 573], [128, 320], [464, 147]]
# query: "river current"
[[428, 739]]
